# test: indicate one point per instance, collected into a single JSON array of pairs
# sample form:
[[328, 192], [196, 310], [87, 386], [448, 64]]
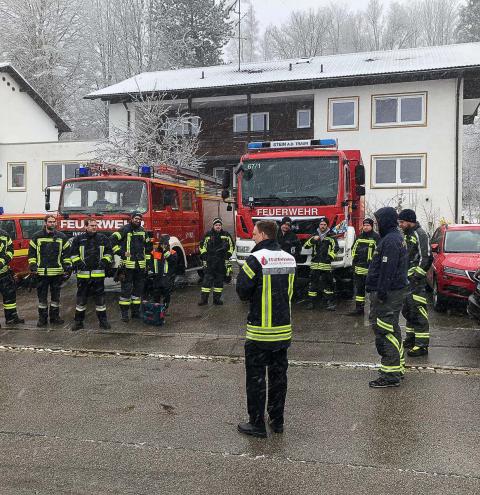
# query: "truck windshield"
[[299, 181], [104, 196], [462, 241]]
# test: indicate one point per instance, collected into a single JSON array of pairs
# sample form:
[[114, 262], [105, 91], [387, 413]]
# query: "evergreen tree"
[[469, 23]]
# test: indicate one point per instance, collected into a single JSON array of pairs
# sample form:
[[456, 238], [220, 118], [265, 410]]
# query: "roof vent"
[[253, 71], [370, 59], [304, 60]]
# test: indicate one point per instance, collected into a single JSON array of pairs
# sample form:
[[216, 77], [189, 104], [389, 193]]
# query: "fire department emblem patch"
[[263, 260]]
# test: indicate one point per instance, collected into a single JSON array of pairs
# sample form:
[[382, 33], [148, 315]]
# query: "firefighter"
[[415, 304], [133, 245], [216, 248], [287, 239], [266, 279], [49, 261], [387, 282], [362, 253], [163, 267], [7, 282], [324, 246], [91, 255]]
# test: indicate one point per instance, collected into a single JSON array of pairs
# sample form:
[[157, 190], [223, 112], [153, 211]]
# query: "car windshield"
[[462, 241], [298, 181], [104, 196]]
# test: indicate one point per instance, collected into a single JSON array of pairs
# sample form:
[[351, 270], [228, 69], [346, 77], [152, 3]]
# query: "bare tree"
[[471, 171], [162, 132], [375, 23]]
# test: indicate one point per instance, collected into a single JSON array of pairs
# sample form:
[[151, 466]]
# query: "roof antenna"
[[289, 66], [203, 75]]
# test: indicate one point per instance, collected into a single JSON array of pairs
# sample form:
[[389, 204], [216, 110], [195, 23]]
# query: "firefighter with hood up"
[[324, 246], [91, 256], [49, 261], [388, 283], [287, 239], [415, 305], [216, 248], [163, 268], [7, 282], [362, 254], [134, 246]]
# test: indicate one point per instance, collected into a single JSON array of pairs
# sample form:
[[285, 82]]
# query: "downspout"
[[457, 149], [128, 115]]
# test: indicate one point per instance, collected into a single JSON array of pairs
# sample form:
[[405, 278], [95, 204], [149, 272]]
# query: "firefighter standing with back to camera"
[[216, 248], [134, 246], [362, 254], [91, 255], [7, 282], [163, 267], [324, 246], [388, 283], [415, 304], [49, 260], [266, 279]]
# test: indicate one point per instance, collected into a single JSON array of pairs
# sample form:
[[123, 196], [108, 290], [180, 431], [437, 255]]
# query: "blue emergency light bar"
[[294, 143], [83, 171], [145, 170]]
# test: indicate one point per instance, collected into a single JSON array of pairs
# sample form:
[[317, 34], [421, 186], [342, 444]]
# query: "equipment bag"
[[153, 313]]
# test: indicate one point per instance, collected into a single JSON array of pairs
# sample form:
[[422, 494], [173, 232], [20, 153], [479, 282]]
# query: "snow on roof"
[[62, 126], [314, 68]]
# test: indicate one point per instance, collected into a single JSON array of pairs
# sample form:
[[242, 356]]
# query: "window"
[[56, 172], [303, 118], [29, 227], [183, 126], [187, 203], [399, 110], [395, 171], [343, 113], [170, 198], [9, 227], [260, 122], [218, 172], [17, 176], [240, 122], [157, 198]]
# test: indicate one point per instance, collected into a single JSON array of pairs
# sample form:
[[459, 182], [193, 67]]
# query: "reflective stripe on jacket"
[[362, 251], [6, 251], [266, 280], [323, 251], [87, 251], [49, 252], [134, 241], [419, 253]]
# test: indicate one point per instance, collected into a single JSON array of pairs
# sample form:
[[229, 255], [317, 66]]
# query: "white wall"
[[118, 116], [21, 118], [35, 155], [436, 139]]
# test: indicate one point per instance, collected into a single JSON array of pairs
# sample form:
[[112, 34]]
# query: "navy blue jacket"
[[389, 266]]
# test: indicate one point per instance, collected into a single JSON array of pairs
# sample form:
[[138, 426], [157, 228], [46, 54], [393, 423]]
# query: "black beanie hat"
[[407, 215], [217, 220], [136, 214], [323, 219], [369, 221], [286, 220]]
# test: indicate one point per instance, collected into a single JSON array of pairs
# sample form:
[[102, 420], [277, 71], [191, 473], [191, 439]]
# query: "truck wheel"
[[439, 301]]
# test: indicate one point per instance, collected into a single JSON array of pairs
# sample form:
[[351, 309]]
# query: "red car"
[[456, 258]]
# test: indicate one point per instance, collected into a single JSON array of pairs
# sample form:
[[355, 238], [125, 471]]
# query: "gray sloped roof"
[[7, 67], [410, 60]]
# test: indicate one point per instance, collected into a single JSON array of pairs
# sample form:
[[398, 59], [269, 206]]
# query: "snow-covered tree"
[[471, 171], [250, 49], [469, 22]]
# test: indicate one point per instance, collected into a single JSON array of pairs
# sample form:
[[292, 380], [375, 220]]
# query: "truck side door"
[[19, 261], [190, 221]]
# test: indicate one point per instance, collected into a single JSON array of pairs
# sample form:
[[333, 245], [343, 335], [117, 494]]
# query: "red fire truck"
[[183, 209], [302, 179]]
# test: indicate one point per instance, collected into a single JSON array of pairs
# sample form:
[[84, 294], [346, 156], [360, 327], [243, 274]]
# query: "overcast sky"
[[277, 11]]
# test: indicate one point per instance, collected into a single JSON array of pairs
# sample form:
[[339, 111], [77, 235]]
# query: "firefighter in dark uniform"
[[324, 246], [266, 279], [216, 248], [287, 239], [163, 267], [388, 283], [134, 246], [49, 260], [91, 255], [7, 283], [362, 254], [415, 305]]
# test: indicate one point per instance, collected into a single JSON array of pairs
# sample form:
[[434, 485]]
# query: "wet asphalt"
[[141, 409]]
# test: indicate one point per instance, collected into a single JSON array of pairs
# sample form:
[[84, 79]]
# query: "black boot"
[[203, 299], [409, 341], [253, 430], [15, 320], [216, 299], [124, 310], [55, 316], [77, 325], [102, 320], [136, 312], [42, 317]]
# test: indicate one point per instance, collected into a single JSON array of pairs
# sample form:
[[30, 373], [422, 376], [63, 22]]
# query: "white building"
[[403, 109], [31, 155]]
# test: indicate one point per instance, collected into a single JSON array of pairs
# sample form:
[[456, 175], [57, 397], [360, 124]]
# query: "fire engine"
[[302, 179], [183, 209]]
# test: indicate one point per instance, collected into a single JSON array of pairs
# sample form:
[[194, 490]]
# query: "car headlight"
[[243, 249], [454, 271]]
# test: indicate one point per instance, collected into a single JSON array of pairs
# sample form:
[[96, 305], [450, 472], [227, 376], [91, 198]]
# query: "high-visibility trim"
[[54, 304], [360, 270], [384, 325], [80, 308], [75, 259], [50, 272], [83, 274], [419, 299], [423, 312], [412, 239], [321, 266], [217, 289], [391, 369], [393, 340], [311, 293], [32, 260], [420, 270], [264, 298], [116, 249], [124, 302], [117, 235], [269, 300], [291, 280], [409, 330], [206, 289], [98, 273], [328, 292], [99, 309], [10, 306], [360, 298], [269, 334], [422, 335], [248, 271], [20, 252], [31, 243], [42, 306]]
